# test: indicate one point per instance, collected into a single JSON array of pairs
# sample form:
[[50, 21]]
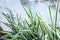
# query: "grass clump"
[[36, 29]]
